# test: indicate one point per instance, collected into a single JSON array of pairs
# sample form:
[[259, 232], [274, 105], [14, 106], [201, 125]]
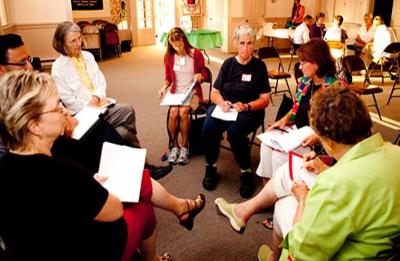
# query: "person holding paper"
[[351, 213], [318, 67], [55, 209], [319, 70], [80, 83], [242, 84], [184, 65]]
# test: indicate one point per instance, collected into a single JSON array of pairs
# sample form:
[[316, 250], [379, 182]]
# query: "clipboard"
[[174, 99]]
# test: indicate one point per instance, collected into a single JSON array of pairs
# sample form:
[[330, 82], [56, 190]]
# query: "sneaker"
[[183, 156], [210, 179], [173, 155], [246, 184], [227, 209], [263, 253]]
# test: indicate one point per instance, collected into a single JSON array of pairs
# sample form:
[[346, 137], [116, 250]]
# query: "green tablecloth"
[[202, 39]]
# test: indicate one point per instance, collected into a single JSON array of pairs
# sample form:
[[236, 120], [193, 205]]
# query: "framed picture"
[[87, 4], [191, 7]]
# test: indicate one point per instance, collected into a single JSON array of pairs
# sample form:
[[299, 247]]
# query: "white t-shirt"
[[301, 34]]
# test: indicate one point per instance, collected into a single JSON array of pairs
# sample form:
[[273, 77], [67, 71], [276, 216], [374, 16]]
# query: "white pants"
[[285, 210], [271, 160]]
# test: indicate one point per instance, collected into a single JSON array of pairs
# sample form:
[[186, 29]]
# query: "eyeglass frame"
[[22, 63], [60, 108]]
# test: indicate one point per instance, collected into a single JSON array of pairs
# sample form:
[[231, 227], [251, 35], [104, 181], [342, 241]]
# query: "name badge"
[[246, 77], [182, 60], [177, 68]]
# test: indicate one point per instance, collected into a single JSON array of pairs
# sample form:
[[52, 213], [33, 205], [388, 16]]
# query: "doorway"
[[384, 9], [164, 16]]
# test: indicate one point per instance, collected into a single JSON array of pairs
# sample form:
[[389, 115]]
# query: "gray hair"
[[23, 95], [243, 30], [60, 34]]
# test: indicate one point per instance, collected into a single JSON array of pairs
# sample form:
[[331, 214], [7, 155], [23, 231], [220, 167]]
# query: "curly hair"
[[340, 115], [317, 51]]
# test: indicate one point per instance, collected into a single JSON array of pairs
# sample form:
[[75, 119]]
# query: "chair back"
[[392, 48], [352, 64], [270, 52], [91, 37], [209, 81]]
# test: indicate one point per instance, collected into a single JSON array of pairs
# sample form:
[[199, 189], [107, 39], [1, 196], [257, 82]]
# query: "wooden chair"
[[91, 40], [354, 64], [266, 53]]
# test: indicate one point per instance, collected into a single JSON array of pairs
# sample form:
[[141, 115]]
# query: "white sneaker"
[[183, 156], [173, 155]]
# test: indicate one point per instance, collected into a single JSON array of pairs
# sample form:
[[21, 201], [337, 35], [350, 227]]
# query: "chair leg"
[[392, 91], [288, 87], [376, 106], [397, 140]]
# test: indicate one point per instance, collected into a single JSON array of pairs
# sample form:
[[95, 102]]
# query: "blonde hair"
[[23, 95]]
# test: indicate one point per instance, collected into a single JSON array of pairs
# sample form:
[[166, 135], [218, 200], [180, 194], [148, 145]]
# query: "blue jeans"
[[237, 132]]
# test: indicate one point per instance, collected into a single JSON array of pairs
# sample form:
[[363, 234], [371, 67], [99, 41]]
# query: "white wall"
[[39, 11], [283, 8]]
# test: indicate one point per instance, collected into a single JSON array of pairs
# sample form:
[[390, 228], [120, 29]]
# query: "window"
[[144, 14], [3, 14]]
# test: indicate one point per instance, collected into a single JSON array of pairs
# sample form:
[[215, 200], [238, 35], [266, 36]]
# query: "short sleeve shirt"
[[48, 208], [242, 83]]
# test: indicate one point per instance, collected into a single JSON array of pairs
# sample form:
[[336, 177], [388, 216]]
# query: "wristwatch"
[[248, 107]]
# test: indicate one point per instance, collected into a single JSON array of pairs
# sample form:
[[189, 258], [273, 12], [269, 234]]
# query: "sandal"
[[199, 204], [269, 222], [166, 257]]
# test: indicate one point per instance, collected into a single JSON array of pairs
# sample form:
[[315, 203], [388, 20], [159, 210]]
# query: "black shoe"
[[158, 172], [210, 179], [246, 184]]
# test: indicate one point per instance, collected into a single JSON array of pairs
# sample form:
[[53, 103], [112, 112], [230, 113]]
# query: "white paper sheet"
[[298, 172], [285, 141], [230, 115], [86, 118], [170, 99], [123, 166]]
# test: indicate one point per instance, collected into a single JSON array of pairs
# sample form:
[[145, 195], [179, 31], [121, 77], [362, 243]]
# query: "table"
[[201, 39], [277, 33]]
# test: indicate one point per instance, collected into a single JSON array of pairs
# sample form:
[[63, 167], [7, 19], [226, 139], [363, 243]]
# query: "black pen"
[[279, 128], [319, 152]]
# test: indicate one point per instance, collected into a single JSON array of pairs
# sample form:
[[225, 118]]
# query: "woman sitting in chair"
[[242, 85], [336, 32], [54, 209], [184, 66]]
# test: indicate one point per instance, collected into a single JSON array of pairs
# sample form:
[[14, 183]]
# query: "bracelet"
[[248, 107]]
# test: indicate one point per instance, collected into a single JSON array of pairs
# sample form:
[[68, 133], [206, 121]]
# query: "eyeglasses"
[[24, 62], [60, 108]]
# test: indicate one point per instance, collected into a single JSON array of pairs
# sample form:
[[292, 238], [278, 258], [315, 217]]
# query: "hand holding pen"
[[225, 105], [313, 163]]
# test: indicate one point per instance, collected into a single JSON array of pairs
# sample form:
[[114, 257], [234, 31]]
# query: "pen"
[[278, 128], [319, 152]]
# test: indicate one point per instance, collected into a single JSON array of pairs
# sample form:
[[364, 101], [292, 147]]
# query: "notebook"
[[171, 99], [87, 119], [286, 140]]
